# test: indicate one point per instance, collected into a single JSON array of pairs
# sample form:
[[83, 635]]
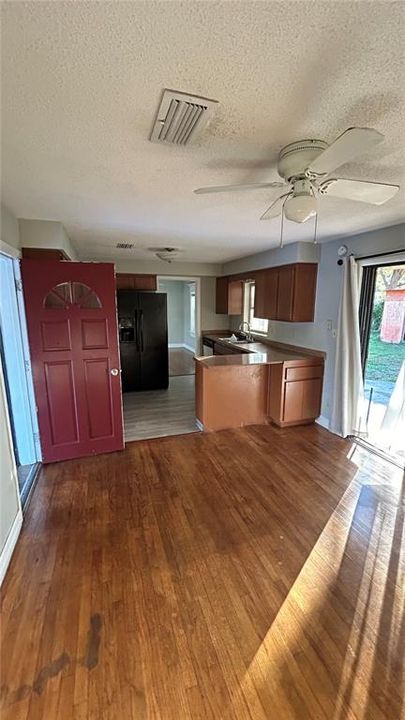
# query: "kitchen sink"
[[235, 342]]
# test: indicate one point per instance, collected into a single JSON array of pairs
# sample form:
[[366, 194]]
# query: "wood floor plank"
[[159, 413], [253, 574]]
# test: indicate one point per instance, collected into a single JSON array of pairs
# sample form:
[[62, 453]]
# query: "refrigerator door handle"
[[141, 330], [136, 329]]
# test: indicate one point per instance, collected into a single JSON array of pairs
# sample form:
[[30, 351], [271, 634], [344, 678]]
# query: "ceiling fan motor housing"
[[294, 159]]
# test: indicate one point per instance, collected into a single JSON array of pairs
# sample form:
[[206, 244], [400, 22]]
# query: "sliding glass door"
[[382, 330]]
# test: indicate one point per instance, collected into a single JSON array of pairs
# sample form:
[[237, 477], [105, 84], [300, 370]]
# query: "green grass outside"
[[384, 359]]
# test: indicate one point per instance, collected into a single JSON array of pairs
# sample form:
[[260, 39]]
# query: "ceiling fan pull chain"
[[316, 230], [282, 221]]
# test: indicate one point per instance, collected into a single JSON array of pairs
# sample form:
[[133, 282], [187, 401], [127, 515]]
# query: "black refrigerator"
[[142, 323]]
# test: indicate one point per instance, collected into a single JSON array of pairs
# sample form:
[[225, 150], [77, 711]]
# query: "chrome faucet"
[[248, 334]]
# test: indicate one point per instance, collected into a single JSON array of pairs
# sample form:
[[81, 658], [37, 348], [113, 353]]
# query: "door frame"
[[197, 281], [370, 268], [16, 353]]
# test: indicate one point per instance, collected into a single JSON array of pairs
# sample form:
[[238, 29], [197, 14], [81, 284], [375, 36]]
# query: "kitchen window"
[[257, 325]]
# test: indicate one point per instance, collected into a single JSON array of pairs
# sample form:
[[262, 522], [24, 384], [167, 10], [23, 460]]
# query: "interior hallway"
[[181, 362], [253, 573]]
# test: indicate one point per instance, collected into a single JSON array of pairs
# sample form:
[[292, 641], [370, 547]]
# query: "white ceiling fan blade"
[[231, 188], [359, 190], [354, 141], [275, 207]]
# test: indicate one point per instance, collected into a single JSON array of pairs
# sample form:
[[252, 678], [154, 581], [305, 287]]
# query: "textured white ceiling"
[[81, 82]]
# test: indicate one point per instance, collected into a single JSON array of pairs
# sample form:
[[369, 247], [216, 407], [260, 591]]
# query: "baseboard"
[[323, 421], [188, 347], [10, 544]]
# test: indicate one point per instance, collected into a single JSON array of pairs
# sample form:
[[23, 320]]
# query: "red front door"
[[72, 328]]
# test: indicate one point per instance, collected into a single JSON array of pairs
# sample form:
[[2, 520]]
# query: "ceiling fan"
[[305, 166]]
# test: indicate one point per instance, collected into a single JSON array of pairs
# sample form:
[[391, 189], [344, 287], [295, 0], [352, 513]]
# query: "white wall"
[[316, 335], [159, 267], [10, 237], [189, 339], [291, 253], [46, 234], [10, 515], [175, 310]]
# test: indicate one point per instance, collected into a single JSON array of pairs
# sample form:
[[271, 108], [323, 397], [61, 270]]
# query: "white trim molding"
[[10, 250], [10, 544]]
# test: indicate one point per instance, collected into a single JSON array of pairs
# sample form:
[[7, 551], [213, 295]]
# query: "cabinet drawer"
[[306, 372]]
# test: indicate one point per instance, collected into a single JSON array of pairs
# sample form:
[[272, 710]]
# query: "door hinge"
[[18, 285]]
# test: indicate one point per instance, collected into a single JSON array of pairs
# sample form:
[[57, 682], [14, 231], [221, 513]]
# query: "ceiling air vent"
[[181, 117], [125, 246]]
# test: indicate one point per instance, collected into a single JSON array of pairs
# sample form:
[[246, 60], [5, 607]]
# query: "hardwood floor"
[[181, 362], [158, 413], [250, 574]]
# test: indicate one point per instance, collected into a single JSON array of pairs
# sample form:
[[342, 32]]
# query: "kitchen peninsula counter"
[[257, 383]]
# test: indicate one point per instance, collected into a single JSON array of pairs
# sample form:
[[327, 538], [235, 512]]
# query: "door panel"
[[98, 398], [60, 393], [72, 328]]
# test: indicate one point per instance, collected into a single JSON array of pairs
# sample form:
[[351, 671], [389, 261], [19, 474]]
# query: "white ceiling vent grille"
[[125, 246], [181, 117]]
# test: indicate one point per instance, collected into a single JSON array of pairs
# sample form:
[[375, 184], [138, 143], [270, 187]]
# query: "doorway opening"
[[181, 324], [171, 411], [382, 326], [16, 365]]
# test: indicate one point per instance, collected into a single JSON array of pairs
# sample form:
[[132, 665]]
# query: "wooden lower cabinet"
[[295, 392]]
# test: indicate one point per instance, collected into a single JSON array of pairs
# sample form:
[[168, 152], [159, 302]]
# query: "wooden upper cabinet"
[[130, 281], [266, 288], [229, 296], [297, 292], [286, 293]]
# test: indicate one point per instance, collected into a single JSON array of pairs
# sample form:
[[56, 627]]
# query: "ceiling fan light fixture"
[[300, 208]]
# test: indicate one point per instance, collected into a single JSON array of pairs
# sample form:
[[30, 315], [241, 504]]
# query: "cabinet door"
[[266, 287], [221, 306], [235, 297], [271, 293], [124, 281], [260, 295], [131, 281], [302, 400], [304, 292], [144, 282], [285, 292]]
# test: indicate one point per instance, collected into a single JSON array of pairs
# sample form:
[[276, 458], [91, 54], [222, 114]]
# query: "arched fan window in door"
[[69, 293]]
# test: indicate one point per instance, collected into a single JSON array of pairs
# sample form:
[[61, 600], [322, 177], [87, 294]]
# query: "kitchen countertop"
[[256, 353]]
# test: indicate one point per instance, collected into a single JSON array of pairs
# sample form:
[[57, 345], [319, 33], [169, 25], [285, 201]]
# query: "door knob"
[[114, 371]]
